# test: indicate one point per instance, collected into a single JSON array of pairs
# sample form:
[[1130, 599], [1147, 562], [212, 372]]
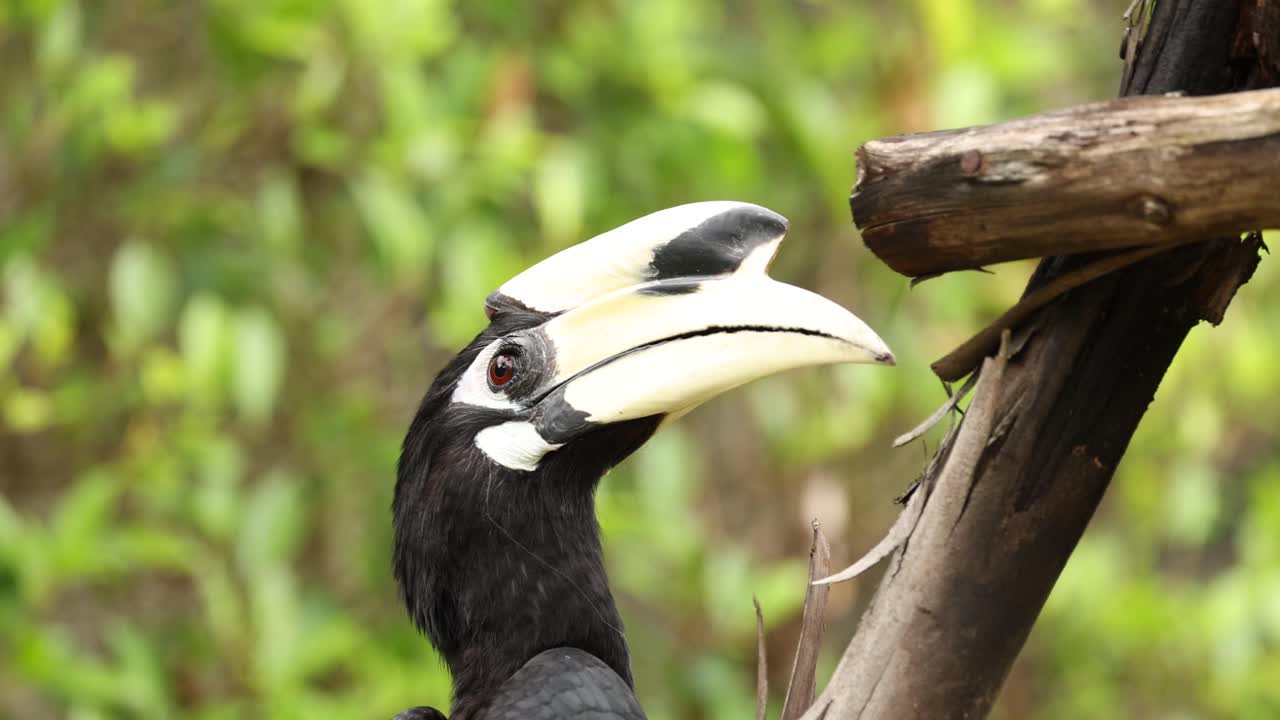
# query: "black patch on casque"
[[718, 245]]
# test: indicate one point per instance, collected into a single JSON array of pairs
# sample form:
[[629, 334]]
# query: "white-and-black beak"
[[653, 318]]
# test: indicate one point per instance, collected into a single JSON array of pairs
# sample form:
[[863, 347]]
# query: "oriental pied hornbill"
[[587, 353]]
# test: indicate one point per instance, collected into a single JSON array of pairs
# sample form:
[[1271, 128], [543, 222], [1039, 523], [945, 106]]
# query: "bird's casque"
[[587, 353]]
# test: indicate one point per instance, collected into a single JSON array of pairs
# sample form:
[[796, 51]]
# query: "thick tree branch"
[[1133, 171], [959, 599]]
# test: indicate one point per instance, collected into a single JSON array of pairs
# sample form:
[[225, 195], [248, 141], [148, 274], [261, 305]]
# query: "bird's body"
[[560, 684], [498, 550]]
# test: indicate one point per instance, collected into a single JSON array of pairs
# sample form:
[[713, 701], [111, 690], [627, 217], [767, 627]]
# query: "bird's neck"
[[527, 575], [500, 565]]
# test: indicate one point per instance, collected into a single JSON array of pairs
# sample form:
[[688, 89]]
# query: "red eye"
[[502, 368]]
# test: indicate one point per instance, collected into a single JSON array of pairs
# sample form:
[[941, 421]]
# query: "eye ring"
[[502, 368]]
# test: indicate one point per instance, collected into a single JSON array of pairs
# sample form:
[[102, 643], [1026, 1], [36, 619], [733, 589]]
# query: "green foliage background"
[[238, 237]]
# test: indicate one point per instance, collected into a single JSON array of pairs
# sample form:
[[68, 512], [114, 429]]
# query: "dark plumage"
[[497, 565]]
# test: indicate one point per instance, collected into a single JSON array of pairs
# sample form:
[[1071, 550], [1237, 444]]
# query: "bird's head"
[[588, 351], [651, 319]]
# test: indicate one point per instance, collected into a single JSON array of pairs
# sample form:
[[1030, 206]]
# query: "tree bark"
[[998, 524], [1104, 176]]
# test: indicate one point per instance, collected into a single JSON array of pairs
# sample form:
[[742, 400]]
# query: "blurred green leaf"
[[142, 682], [271, 525], [38, 309], [204, 339], [223, 604], [142, 293], [259, 363], [560, 189], [966, 95], [27, 411], [397, 224], [666, 469], [216, 505], [141, 125], [103, 83], [81, 521], [728, 107], [1193, 503], [60, 39], [164, 376], [277, 632], [280, 211], [473, 267]]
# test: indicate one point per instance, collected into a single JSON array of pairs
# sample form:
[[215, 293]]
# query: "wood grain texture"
[[1110, 175]]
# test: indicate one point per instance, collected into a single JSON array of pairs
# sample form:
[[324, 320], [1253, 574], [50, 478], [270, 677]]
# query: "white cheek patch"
[[515, 444], [473, 388]]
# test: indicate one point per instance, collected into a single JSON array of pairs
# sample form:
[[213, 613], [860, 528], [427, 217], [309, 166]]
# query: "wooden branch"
[[804, 670], [959, 599], [1133, 171], [887, 660]]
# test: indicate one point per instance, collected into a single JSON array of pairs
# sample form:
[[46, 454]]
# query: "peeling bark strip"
[[961, 595], [803, 684], [966, 358], [1110, 175]]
